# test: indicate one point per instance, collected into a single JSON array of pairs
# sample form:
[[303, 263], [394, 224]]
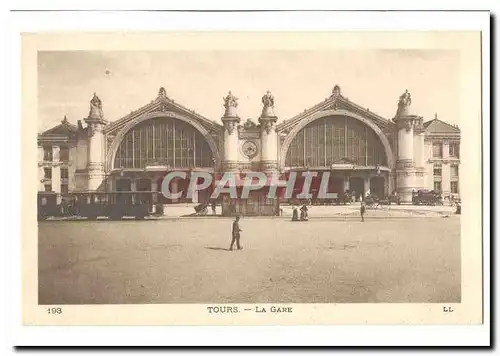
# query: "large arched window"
[[332, 139], [164, 141]]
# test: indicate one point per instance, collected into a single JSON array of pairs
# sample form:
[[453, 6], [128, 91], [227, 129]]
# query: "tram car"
[[47, 205], [114, 205], [91, 205]]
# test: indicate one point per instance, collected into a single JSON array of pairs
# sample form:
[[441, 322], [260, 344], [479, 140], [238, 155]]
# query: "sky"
[[198, 80]]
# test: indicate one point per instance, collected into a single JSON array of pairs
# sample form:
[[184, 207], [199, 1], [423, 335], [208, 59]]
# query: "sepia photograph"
[[137, 151], [244, 178]]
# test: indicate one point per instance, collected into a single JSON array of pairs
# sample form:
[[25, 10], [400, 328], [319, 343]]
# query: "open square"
[[186, 261]]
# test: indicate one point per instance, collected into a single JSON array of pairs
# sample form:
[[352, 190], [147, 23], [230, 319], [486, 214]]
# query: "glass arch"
[[164, 141], [331, 139]]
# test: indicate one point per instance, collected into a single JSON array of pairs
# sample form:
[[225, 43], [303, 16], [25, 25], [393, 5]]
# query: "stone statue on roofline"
[[162, 93], [268, 102], [96, 108], [404, 103], [230, 104], [96, 102]]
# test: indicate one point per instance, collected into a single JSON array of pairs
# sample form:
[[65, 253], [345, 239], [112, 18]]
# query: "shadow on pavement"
[[217, 248]]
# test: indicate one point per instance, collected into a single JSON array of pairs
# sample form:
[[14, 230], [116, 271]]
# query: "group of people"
[[303, 213]]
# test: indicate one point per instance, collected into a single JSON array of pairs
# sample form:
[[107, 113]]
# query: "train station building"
[[364, 152]]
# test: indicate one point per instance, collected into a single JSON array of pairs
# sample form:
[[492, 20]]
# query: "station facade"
[[363, 152]]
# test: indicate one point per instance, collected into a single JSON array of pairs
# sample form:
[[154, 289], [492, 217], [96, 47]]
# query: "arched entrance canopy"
[[166, 138], [341, 134]]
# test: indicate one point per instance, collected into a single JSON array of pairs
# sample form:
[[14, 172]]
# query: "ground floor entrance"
[[357, 184], [344, 185]]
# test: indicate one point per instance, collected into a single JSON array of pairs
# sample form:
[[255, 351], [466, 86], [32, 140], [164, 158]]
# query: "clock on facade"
[[249, 149]]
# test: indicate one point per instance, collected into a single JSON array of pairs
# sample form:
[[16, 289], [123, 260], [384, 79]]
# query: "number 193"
[[54, 310]]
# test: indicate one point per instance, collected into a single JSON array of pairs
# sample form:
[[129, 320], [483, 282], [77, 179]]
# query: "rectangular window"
[[454, 171], [47, 154], [454, 187], [64, 173], [438, 171], [48, 187], [64, 189], [437, 186], [454, 150], [437, 150], [64, 154], [47, 173]]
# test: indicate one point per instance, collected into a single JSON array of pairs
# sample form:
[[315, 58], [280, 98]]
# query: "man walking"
[[236, 234], [362, 211], [214, 207]]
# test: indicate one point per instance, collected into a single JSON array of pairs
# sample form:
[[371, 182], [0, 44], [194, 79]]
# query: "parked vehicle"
[[92, 205], [47, 205], [372, 201], [114, 205], [427, 197], [201, 209]]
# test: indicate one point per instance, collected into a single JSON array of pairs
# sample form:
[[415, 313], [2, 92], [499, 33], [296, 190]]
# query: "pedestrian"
[[236, 234], [303, 213], [362, 211], [295, 214], [214, 207]]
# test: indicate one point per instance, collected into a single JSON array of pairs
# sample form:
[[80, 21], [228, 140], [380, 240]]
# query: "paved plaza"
[[186, 261]]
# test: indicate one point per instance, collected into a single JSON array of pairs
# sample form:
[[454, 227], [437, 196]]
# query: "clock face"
[[249, 149]]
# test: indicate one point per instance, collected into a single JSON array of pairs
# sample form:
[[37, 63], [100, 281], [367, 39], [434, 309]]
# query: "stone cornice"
[[55, 164], [56, 140], [444, 160], [448, 137]]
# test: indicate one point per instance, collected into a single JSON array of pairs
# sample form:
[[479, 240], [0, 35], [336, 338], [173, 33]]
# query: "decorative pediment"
[[64, 128], [437, 126], [249, 130], [65, 131], [163, 105], [336, 102]]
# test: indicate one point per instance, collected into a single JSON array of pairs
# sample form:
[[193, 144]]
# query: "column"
[[268, 136], [346, 183], [95, 164], [56, 170], [40, 154], [175, 188], [95, 151], [230, 121], [73, 158], [268, 142], [367, 185], [405, 180], [405, 143], [133, 185], [446, 151], [446, 178], [446, 171], [419, 157], [389, 183], [429, 167], [110, 184], [154, 188], [421, 139], [41, 173]]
